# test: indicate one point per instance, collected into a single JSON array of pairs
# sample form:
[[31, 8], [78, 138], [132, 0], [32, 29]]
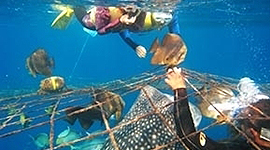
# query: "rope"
[[79, 58]]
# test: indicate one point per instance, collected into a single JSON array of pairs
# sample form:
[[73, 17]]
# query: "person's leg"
[[80, 12]]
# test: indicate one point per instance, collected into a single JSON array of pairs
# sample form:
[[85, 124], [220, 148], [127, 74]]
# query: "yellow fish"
[[49, 110], [24, 120], [51, 84]]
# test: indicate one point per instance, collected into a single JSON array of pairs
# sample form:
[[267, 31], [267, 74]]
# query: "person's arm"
[[185, 126], [182, 115], [106, 29], [174, 25], [183, 119], [184, 122], [140, 50]]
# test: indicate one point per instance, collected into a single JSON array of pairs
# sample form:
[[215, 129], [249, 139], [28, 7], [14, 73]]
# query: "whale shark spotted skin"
[[150, 131]]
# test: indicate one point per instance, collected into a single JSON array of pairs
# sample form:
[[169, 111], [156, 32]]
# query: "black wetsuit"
[[185, 126]]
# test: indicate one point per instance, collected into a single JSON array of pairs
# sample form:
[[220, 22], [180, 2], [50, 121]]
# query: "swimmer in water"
[[123, 20]]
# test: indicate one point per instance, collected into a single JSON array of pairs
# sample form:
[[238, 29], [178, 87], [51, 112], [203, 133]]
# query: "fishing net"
[[25, 112]]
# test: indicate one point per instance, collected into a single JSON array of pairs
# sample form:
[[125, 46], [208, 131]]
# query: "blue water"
[[227, 38]]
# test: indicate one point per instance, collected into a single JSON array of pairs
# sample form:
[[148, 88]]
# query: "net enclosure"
[[148, 124]]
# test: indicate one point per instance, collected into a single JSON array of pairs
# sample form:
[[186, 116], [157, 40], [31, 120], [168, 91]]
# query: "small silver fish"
[[41, 140], [67, 136]]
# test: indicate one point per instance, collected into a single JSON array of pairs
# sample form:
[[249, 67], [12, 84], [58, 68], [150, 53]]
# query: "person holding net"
[[256, 130]]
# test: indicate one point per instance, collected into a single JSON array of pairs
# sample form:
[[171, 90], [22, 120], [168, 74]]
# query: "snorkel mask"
[[130, 8], [161, 18]]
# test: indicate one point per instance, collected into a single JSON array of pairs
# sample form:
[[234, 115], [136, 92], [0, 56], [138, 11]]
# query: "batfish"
[[172, 51], [40, 63], [114, 104]]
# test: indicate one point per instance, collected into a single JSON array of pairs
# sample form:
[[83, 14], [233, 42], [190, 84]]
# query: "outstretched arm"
[[140, 50], [174, 25], [183, 118], [182, 114]]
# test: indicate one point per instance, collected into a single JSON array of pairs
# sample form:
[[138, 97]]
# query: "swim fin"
[[62, 20]]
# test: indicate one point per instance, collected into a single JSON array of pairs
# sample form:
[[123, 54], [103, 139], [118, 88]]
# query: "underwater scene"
[[128, 74]]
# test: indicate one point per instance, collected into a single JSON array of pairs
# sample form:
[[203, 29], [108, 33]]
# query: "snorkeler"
[[199, 141], [123, 20]]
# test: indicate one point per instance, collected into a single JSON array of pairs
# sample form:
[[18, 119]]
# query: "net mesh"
[[24, 112]]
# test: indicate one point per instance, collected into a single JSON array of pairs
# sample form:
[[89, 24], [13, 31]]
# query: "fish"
[[220, 97], [113, 104], [67, 136], [51, 84], [24, 120], [172, 52], [11, 109], [86, 118], [93, 144], [41, 140], [40, 63], [150, 131], [50, 109]]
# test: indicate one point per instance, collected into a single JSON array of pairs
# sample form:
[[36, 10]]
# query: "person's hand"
[[141, 51], [175, 78], [126, 20], [258, 140]]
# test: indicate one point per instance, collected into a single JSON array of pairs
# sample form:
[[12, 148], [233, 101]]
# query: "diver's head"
[[130, 8], [255, 117], [161, 18], [256, 111]]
